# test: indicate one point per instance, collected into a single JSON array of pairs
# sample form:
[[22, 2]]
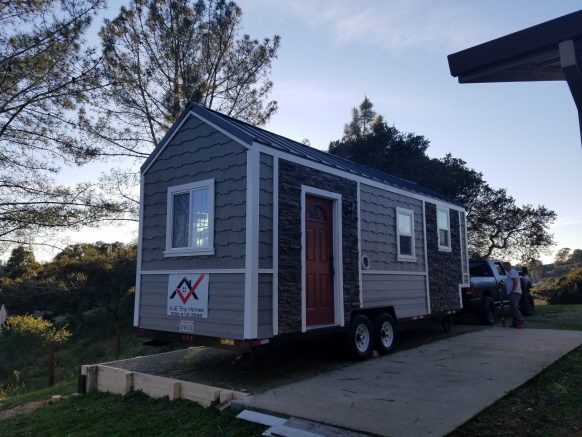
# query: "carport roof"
[[531, 54]]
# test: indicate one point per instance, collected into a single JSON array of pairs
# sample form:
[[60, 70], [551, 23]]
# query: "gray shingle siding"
[[406, 293], [378, 229], [265, 315], [197, 152], [225, 306], [266, 212]]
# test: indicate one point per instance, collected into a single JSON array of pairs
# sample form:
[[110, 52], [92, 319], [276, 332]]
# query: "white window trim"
[[446, 210], [189, 251], [404, 257]]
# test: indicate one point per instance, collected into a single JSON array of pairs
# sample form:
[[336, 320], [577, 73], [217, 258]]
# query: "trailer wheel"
[[385, 333], [360, 337], [487, 312]]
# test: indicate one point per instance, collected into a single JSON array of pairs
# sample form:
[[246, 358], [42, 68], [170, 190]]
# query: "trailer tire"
[[487, 313], [360, 337], [527, 306], [385, 333]]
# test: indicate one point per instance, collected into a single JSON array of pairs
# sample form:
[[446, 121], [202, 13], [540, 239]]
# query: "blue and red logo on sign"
[[185, 289]]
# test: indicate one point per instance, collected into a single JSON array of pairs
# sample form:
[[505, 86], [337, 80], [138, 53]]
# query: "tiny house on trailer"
[[246, 237]]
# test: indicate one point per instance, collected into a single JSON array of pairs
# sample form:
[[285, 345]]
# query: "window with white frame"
[[190, 220], [444, 228], [405, 234]]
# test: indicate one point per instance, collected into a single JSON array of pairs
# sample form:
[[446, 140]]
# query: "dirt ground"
[[21, 409]]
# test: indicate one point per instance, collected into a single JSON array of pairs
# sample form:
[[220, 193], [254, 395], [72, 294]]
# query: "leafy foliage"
[[26, 327], [566, 289], [159, 55], [21, 263], [35, 333], [45, 76], [79, 278], [497, 225]]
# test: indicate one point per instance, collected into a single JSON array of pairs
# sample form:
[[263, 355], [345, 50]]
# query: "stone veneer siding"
[[444, 268], [291, 177]]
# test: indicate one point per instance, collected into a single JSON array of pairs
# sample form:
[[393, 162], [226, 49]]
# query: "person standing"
[[514, 292]]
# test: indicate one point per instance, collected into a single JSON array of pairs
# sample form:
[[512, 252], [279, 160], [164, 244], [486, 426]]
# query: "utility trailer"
[[247, 238]]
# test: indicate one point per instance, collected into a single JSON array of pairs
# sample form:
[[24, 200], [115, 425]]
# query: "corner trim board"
[[137, 296], [251, 307], [275, 245], [360, 281], [428, 308]]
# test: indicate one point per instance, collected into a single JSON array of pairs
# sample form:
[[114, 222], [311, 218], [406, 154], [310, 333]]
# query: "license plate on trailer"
[[227, 341], [186, 326]]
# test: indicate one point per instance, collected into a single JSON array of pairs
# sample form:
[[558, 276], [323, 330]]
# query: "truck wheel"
[[360, 337], [385, 333], [527, 305], [487, 312]]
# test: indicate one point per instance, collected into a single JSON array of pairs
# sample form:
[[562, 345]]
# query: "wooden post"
[[174, 390], [91, 372], [128, 386]]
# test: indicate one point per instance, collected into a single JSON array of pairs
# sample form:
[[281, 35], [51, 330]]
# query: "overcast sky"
[[334, 52]]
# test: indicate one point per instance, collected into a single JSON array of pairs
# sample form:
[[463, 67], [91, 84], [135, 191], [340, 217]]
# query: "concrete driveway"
[[429, 390]]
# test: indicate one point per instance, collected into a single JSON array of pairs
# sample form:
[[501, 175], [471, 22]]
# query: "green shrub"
[[27, 336], [566, 289]]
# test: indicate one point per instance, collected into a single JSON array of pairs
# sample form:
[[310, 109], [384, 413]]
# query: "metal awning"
[[547, 51]]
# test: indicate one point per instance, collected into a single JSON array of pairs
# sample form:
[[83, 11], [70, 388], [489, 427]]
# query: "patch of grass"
[[557, 317], [548, 405], [135, 414], [64, 388]]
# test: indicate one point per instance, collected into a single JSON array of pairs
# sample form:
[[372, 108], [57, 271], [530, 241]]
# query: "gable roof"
[[249, 134]]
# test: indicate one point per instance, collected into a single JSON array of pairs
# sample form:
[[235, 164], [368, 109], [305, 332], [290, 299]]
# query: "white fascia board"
[[394, 272], [179, 127], [193, 271], [251, 301], [137, 294], [351, 176]]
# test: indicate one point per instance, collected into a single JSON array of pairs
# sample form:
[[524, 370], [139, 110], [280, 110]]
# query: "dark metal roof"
[[249, 134], [530, 54]]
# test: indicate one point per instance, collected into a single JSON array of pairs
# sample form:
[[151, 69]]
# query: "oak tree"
[[497, 226]]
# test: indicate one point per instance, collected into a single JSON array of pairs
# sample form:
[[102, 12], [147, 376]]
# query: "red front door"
[[319, 261]]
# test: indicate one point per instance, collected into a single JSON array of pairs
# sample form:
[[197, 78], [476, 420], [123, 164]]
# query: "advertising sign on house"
[[188, 295]]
